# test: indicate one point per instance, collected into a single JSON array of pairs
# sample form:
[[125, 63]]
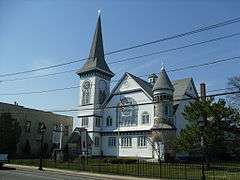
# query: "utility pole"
[[42, 130], [61, 136], [41, 153], [203, 91], [118, 125], [202, 123]]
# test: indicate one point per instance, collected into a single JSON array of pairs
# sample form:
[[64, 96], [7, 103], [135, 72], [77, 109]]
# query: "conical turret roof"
[[163, 82]]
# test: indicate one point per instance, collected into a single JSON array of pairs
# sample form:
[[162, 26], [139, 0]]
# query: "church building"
[[136, 118]]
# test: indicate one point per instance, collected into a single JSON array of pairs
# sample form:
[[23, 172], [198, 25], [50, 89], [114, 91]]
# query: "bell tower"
[[95, 77]]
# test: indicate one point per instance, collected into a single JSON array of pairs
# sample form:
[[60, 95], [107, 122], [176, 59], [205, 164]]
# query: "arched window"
[[145, 117], [128, 115], [166, 110], [86, 93], [109, 121], [102, 91], [86, 97]]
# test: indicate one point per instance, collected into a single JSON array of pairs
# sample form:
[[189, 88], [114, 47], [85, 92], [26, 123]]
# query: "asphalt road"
[[13, 174]]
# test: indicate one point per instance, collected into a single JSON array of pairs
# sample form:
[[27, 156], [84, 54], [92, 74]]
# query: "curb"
[[78, 173]]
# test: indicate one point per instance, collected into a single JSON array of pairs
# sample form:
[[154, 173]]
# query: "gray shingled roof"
[[163, 82], [180, 86], [144, 84], [96, 60]]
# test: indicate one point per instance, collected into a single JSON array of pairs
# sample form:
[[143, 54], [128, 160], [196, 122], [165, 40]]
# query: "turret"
[[163, 99]]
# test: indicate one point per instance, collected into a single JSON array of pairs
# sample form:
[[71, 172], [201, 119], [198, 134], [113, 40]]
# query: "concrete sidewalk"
[[75, 173]]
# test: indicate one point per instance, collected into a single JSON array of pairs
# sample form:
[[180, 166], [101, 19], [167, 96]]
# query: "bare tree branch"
[[234, 100]]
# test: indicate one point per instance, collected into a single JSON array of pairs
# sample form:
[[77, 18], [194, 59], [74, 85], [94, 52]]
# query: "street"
[[13, 174]]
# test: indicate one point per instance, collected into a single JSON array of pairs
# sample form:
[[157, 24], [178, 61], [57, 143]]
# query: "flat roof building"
[[58, 128]]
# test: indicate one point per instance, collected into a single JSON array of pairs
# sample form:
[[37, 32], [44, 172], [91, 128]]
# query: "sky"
[[36, 34]]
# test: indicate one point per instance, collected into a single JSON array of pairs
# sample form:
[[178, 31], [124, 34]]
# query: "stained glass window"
[[128, 115]]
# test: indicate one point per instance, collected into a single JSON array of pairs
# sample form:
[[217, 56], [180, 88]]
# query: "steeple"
[[96, 60], [163, 82]]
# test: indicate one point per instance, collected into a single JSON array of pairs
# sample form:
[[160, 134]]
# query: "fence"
[[220, 170]]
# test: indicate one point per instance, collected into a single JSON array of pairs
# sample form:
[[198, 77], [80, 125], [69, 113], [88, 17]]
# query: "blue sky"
[[41, 33]]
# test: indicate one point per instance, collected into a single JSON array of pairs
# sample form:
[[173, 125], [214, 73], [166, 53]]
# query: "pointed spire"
[[96, 60], [99, 12], [162, 66], [163, 82]]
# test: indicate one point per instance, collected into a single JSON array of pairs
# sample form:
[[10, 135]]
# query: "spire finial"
[[162, 68], [99, 12]]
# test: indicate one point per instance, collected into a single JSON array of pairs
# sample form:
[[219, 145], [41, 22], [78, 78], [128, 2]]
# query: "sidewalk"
[[76, 173]]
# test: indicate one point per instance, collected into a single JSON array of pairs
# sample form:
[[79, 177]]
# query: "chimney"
[[152, 78], [15, 103]]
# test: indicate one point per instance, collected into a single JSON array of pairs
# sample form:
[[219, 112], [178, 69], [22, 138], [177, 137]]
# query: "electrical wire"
[[171, 70], [130, 58], [180, 35]]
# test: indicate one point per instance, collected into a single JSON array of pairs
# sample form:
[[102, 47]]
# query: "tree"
[[162, 142], [10, 132], [218, 131], [234, 84], [154, 138]]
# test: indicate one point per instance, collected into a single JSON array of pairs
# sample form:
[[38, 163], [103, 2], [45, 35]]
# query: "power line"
[[171, 70], [224, 23], [198, 65], [204, 64], [141, 104], [222, 89], [180, 35], [130, 58], [40, 92], [38, 76], [176, 48]]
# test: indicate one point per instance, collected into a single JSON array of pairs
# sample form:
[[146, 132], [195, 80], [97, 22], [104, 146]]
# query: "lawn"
[[223, 171]]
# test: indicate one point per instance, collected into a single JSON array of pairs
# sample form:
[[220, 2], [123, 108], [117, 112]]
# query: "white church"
[[124, 121]]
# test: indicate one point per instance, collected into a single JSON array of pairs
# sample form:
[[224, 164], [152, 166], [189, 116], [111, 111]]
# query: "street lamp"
[[201, 124], [42, 129]]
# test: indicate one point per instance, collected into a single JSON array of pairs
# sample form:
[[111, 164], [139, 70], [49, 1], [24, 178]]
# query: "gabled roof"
[[180, 87], [144, 84], [96, 60], [75, 137], [147, 87], [163, 82]]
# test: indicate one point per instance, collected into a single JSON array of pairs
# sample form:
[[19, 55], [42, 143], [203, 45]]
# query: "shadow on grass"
[[7, 168]]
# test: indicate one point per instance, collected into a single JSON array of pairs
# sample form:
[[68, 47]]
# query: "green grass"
[[228, 171]]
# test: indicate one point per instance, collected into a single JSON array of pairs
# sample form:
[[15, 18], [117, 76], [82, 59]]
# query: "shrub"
[[120, 160]]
